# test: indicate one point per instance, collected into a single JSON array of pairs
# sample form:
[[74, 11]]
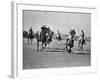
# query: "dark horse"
[[45, 37], [49, 37], [25, 33], [69, 44], [29, 36]]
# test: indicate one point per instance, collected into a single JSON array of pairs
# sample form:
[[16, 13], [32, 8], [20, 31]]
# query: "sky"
[[62, 21]]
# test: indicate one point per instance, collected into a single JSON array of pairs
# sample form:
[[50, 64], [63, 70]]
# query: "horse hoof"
[[69, 51]]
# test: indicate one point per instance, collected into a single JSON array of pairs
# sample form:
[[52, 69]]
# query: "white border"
[[17, 53]]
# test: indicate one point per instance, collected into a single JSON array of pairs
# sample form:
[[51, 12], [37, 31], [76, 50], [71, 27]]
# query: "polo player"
[[30, 30], [81, 40], [72, 34]]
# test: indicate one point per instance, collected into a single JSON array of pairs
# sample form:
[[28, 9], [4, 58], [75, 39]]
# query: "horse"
[[45, 36], [29, 36], [81, 42], [43, 39], [69, 44], [49, 37], [25, 33]]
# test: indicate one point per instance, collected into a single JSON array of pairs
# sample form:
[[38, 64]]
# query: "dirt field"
[[55, 56]]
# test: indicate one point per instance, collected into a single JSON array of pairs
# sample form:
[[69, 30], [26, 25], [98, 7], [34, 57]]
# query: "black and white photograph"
[[56, 39]]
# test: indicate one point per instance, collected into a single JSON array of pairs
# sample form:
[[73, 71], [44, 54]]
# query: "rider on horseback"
[[30, 35], [82, 37], [72, 34], [70, 40], [82, 34], [81, 40], [30, 30], [44, 29], [43, 32], [45, 36]]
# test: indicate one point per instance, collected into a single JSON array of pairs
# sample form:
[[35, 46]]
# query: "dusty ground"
[[55, 56]]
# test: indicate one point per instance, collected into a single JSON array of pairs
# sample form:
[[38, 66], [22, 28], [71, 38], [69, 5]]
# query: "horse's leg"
[[82, 47], [31, 40], [69, 49], [37, 45], [78, 44], [45, 44], [28, 40], [48, 44], [42, 46], [81, 44], [65, 49]]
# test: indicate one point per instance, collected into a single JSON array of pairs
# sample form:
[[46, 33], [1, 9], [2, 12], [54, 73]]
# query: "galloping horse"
[[45, 37], [49, 37], [69, 44], [25, 33], [70, 41], [29, 36]]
